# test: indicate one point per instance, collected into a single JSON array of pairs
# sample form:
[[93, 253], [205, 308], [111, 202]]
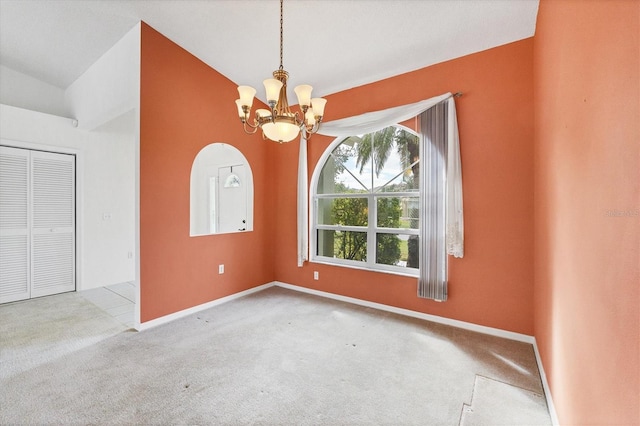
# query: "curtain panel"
[[377, 120], [432, 282]]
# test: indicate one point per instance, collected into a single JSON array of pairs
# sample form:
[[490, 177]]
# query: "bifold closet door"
[[53, 223], [14, 225], [37, 223]]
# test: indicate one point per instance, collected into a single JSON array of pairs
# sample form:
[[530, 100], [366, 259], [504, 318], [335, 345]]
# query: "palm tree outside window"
[[366, 202]]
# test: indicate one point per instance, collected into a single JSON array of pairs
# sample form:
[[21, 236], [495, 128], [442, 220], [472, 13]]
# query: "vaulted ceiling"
[[330, 44]]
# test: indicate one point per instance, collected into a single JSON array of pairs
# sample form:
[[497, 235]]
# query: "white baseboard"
[[545, 387], [180, 314], [401, 311], [406, 312], [446, 321], [420, 315]]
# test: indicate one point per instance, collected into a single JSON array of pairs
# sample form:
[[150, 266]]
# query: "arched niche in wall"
[[221, 191]]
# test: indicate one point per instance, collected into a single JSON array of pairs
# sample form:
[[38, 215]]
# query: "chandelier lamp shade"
[[279, 123]]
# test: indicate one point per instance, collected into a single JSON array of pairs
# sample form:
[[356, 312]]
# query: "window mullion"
[[345, 228], [371, 231], [346, 187]]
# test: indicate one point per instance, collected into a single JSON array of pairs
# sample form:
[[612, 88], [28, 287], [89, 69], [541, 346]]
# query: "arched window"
[[365, 202]]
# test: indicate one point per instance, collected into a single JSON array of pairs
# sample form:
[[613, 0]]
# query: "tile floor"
[[117, 300]]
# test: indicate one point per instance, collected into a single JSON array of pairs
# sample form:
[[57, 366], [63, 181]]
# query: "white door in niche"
[[213, 204], [232, 199]]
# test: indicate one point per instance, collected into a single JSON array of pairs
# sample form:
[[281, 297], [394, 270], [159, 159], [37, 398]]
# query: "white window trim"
[[371, 230]]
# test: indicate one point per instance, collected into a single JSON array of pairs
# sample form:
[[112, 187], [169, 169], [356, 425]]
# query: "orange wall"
[[184, 106], [587, 152], [493, 284]]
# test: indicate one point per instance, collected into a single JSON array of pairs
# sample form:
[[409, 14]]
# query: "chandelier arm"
[[307, 133], [298, 120], [251, 128], [313, 129], [246, 122]]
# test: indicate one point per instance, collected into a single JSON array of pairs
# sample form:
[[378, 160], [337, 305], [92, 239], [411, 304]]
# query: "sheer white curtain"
[[303, 204], [433, 278], [455, 219], [370, 122]]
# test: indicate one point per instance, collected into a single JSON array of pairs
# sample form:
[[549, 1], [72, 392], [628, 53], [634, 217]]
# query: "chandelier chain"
[[281, 1]]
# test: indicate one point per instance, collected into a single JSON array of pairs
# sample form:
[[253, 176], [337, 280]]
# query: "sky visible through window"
[[392, 167]]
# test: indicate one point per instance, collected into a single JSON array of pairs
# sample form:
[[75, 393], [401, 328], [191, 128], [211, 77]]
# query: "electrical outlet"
[[316, 275], [130, 255], [220, 269]]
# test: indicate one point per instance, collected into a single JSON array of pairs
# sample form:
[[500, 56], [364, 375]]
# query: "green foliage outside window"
[[353, 245], [350, 245], [377, 172], [388, 245]]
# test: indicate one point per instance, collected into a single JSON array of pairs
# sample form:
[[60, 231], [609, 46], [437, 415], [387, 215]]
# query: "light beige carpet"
[[500, 404], [39, 331], [274, 357]]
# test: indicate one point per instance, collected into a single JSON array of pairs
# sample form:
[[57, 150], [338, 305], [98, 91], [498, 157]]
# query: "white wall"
[[105, 101], [110, 87], [110, 210], [105, 184], [23, 91], [105, 91]]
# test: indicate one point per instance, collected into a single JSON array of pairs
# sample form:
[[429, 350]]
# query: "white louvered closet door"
[[14, 224], [53, 223]]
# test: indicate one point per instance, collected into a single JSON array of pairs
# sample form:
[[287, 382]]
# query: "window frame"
[[372, 229]]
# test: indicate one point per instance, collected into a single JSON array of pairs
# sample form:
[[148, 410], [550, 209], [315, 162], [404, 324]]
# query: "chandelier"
[[278, 123]]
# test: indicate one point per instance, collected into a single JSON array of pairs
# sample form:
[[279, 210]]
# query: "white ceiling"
[[331, 44]]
